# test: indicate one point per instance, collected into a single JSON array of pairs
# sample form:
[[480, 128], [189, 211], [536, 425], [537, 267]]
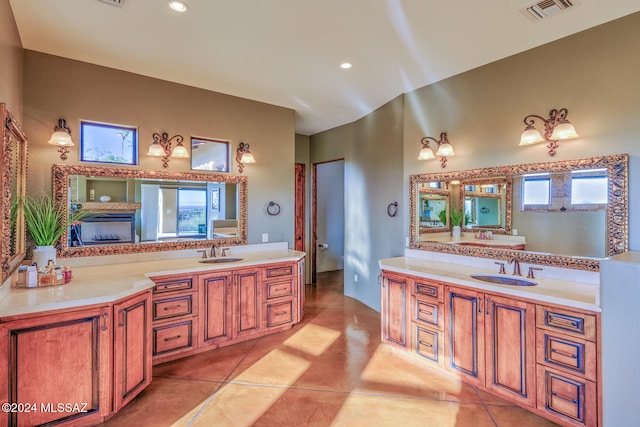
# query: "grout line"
[[222, 384], [486, 407]]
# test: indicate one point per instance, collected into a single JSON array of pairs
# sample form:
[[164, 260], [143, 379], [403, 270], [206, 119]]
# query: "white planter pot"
[[42, 255], [456, 231]]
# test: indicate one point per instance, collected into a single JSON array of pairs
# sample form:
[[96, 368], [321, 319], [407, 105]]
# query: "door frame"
[[314, 215]]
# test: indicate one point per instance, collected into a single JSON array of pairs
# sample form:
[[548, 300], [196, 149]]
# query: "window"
[[105, 143], [589, 188], [536, 189]]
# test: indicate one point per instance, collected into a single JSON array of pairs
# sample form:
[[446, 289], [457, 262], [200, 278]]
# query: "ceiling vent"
[[547, 8], [118, 3]]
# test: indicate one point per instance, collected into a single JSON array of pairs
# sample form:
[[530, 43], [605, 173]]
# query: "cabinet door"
[[510, 348], [464, 336], [394, 309], [247, 303], [59, 359], [215, 308], [132, 348]]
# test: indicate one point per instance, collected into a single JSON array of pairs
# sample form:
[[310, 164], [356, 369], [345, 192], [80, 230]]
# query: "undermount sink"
[[503, 280], [219, 260]]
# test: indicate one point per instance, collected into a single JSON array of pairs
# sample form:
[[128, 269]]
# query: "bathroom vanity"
[[536, 346], [78, 353]]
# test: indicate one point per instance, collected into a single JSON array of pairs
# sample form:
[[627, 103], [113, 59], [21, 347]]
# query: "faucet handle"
[[502, 270], [530, 274], [224, 251], [203, 252]]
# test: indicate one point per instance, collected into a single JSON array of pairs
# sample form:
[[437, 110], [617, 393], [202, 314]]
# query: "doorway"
[[327, 202]]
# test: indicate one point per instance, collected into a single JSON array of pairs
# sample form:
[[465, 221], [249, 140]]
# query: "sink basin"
[[503, 280], [219, 260]]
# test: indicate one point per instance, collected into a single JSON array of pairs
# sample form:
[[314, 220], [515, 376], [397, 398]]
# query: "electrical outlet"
[[92, 194], [355, 277], [265, 237]]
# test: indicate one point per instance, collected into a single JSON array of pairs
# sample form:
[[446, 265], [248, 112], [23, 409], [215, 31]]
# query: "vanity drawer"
[[427, 343], [431, 312], [567, 353], [282, 288], [172, 337], [185, 284], [279, 313], [279, 270], [566, 322], [428, 289], [167, 308], [567, 397]]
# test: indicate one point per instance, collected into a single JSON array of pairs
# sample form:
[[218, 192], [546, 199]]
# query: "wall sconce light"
[[444, 149], [556, 128], [62, 138], [243, 156], [161, 147]]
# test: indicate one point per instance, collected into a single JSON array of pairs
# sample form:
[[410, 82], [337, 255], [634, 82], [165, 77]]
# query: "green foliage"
[[45, 221], [443, 217], [457, 215]]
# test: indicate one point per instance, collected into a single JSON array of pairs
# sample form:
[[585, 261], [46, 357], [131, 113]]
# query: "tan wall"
[[61, 88], [595, 74], [372, 150], [11, 60]]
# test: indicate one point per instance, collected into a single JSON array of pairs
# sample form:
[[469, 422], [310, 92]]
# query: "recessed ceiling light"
[[178, 6], [345, 65]]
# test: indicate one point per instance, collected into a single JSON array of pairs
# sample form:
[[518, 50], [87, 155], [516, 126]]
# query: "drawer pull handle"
[[173, 338], [479, 305], [428, 313], [574, 401], [172, 286], [426, 344], [566, 322], [172, 307], [280, 289], [280, 313], [564, 353], [104, 321]]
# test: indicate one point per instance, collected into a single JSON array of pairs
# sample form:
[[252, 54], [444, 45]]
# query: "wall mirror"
[[13, 152], [433, 206], [132, 210], [552, 206], [485, 204]]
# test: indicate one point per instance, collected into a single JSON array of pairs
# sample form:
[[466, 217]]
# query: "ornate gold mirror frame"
[[617, 211], [13, 153], [61, 175]]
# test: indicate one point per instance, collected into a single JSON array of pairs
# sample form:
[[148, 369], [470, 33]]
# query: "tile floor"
[[329, 370]]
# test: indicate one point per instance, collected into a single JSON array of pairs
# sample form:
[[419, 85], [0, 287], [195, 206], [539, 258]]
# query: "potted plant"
[[46, 223], [456, 215]]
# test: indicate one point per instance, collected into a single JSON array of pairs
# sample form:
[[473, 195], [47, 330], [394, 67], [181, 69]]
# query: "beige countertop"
[[107, 283], [556, 291]]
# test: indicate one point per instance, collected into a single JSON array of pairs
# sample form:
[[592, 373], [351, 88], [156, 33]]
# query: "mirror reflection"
[[137, 211], [568, 213], [485, 204], [433, 207]]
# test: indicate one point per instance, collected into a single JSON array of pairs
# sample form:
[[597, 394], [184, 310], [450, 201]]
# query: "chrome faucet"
[[213, 251], [516, 266]]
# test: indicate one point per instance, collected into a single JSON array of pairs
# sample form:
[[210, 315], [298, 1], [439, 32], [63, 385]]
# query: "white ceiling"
[[288, 52]]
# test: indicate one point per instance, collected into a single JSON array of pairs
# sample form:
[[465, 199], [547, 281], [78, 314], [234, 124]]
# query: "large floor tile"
[[166, 402]]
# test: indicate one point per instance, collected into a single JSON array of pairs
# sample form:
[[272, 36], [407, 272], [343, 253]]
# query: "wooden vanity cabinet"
[[174, 314], [491, 341], [393, 309], [280, 289], [567, 365], [132, 348], [427, 320], [57, 359]]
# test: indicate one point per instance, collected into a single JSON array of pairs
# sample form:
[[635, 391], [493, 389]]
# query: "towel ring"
[[392, 209], [273, 208]]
